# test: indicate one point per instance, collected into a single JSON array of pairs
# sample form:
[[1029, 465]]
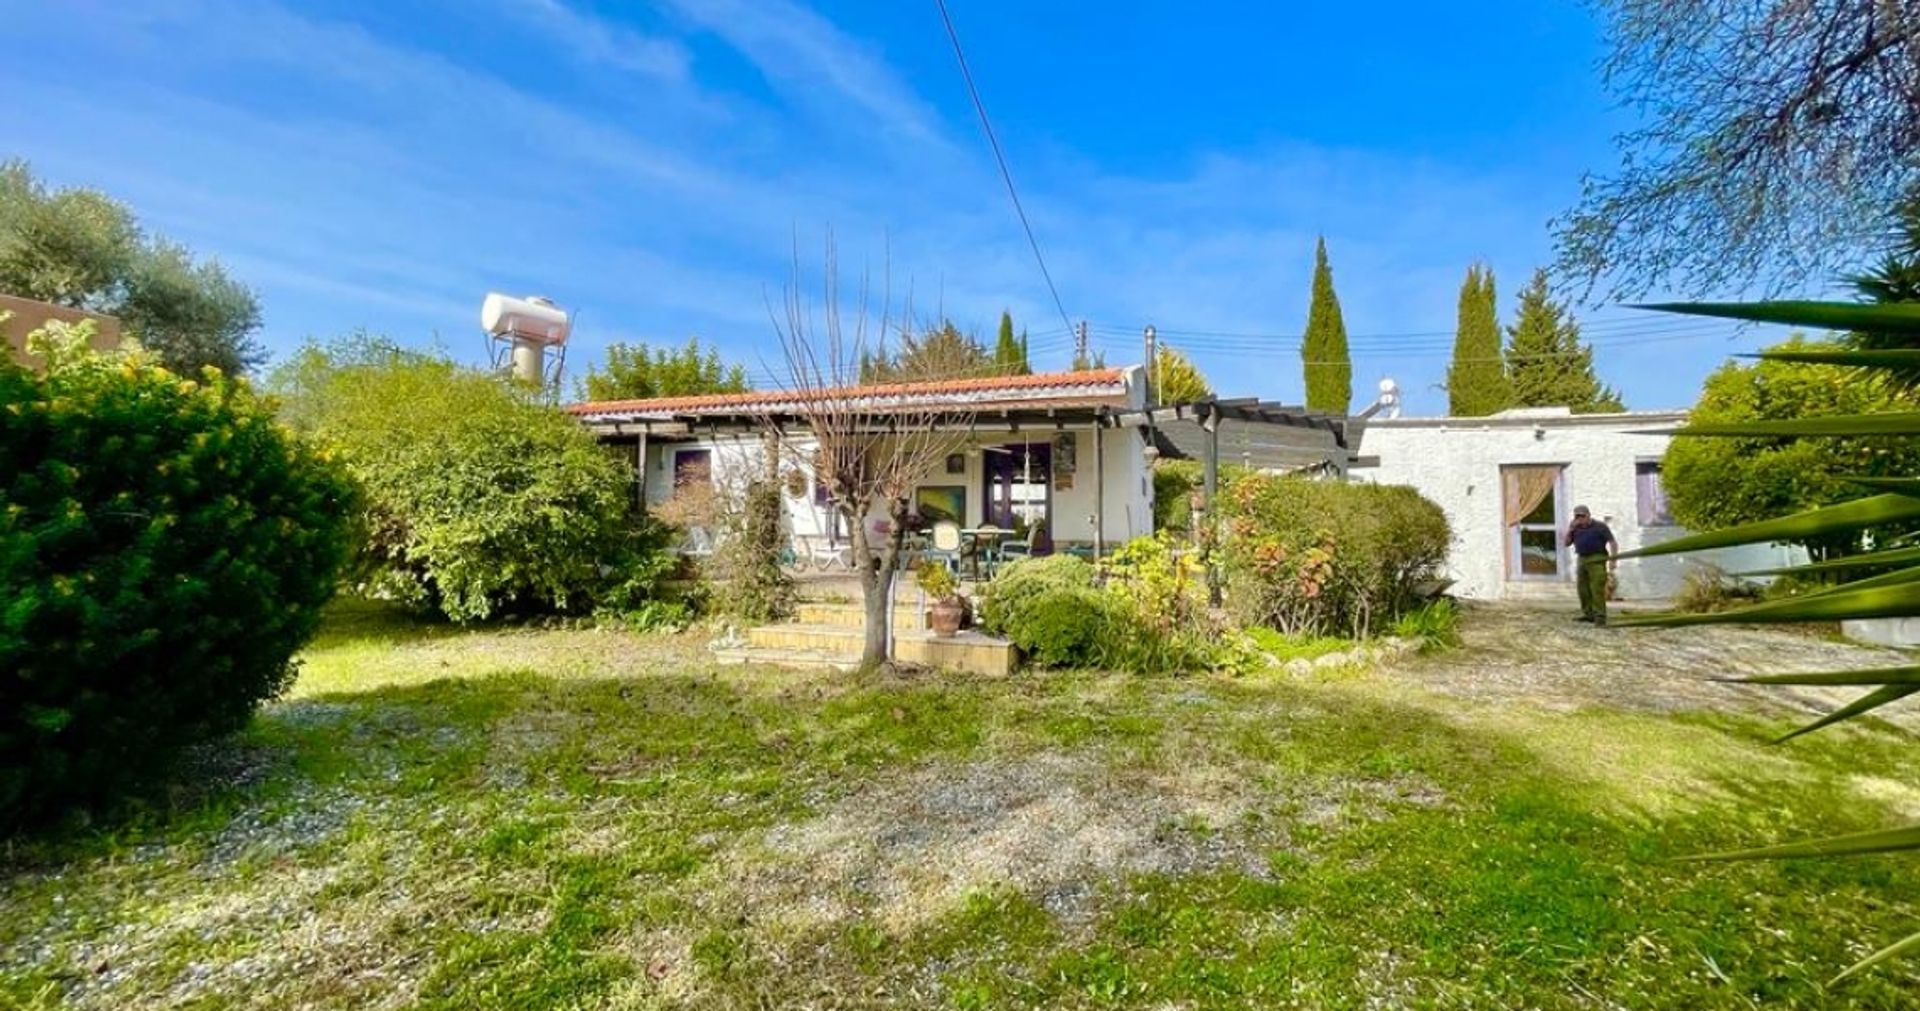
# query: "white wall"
[[1128, 500], [1456, 463]]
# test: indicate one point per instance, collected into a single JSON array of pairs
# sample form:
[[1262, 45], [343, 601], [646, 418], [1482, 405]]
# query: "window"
[[692, 467], [1651, 495]]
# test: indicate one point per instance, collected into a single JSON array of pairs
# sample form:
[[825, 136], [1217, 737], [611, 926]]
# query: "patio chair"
[[945, 545], [1013, 550]]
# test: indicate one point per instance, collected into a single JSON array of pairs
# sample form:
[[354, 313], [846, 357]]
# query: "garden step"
[[834, 638], [906, 614], [828, 646], [792, 659]]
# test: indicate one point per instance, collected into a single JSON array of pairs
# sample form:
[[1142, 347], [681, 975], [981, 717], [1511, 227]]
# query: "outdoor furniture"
[[1022, 548], [945, 546], [821, 553], [986, 548]]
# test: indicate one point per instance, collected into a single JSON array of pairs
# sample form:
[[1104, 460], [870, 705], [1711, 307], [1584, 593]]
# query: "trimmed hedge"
[[1328, 557], [165, 548]]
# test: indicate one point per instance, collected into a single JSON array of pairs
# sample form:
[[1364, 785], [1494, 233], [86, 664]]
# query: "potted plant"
[[949, 609]]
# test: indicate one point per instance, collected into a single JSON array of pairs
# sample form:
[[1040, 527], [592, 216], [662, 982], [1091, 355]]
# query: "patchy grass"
[[582, 819]]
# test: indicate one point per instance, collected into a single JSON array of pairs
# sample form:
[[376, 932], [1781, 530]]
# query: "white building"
[[1509, 484], [1061, 460]]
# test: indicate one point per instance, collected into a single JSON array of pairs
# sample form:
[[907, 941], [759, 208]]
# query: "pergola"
[[1250, 432]]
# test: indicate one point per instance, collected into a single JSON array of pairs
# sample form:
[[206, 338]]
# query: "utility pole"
[[1081, 360], [1153, 367]]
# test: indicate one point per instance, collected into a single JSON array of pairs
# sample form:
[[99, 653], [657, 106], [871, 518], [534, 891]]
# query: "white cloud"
[[600, 41], [805, 54]]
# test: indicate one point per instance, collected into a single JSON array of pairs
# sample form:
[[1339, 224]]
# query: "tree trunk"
[[874, 589]]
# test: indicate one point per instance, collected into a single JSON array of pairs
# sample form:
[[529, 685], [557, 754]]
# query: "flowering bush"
[[165, 547], [1327, 558]]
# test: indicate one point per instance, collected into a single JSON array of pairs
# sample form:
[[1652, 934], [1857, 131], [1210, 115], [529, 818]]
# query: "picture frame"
[[956, 463]]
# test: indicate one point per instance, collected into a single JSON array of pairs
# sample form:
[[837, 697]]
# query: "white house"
[[1062, 460], [1509, 484]]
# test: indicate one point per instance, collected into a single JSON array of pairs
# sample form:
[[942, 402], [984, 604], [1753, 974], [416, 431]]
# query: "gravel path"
[[1548, 658]]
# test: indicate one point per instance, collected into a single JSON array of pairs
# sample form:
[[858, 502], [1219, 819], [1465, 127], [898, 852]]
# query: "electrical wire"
[[986, 124]]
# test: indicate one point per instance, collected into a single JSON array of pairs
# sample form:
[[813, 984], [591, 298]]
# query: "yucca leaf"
[[1886, 840], [1864, 704], [1898, 485], [1871, 559], [1900, 947], [1843, 518], [1892, 423], [1874, 676], [1898, 359], [1883, 318], [1894, 578], [1842, 604]]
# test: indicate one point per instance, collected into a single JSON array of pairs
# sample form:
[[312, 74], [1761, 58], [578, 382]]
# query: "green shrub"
[[165, 547], [1327, 557], [480, 500], [1064, 627], [1174, 482], [1436, 625], [749, 581], [1004, 602]]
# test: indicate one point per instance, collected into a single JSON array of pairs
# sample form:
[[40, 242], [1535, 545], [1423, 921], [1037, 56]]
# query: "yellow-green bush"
[[165, 547]]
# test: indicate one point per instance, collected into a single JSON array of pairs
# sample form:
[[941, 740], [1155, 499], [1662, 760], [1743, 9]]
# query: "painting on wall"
[[1063, 454], [941, 503], [956, 463]]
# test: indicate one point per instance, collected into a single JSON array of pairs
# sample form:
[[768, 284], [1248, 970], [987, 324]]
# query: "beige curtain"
[[1525, 488]]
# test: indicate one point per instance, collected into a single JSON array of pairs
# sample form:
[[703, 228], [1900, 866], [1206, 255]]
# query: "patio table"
[[986, 541]]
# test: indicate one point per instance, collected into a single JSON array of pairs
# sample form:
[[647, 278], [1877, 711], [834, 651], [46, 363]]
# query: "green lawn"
[[581, 819]]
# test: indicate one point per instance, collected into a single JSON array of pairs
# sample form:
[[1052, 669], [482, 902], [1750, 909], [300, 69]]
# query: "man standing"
[[1594, 548]]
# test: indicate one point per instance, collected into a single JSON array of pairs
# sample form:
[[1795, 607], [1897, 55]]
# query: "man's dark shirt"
[[1591, 539]]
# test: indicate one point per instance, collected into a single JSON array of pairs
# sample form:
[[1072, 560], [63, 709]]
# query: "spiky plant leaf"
[[1864, 704], [1898, 485], [1873, 676], [1900, 947], [1846, 517], [1898, 359], [1899, 319], [1842, 604], [1872, 559], [1886, 840], [1902, 423]]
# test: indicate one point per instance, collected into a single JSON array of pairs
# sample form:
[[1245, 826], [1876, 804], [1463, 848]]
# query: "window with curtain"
[[1651, 495]]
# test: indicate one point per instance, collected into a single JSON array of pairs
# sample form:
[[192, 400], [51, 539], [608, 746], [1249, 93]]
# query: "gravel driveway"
[[1548, 658]]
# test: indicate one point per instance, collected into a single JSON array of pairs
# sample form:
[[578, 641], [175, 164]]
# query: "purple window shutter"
[[1652, 496]]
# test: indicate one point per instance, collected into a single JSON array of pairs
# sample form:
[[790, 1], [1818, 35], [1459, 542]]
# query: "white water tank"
[[532, 319]]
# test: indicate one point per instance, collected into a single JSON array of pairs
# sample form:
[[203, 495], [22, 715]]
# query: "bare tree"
[[1780, 136], [871, 446]]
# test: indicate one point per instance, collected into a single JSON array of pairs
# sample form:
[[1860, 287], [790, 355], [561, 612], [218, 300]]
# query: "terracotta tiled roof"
[[1048, 387]]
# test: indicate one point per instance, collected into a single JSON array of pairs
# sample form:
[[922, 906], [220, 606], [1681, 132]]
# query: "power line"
[[998, 156]]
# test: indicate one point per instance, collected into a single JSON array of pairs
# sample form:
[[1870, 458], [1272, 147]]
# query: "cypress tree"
[[1328, 367], [1547, 364], [1009, 354], [1477, 378], [1026, 363]]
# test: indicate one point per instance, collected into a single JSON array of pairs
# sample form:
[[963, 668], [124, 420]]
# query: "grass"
[[581, 819]]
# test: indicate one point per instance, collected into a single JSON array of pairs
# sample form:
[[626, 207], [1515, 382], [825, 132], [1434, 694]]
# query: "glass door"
[[1019, 492], [1533, 499]]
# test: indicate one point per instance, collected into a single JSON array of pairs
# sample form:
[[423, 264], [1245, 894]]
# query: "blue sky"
[[651, 165]]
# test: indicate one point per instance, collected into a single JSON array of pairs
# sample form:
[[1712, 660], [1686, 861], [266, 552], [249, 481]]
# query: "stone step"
[[790, 659], [797, 635], [808, 612]]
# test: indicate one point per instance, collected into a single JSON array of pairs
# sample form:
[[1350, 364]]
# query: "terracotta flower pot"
[[945, 616]]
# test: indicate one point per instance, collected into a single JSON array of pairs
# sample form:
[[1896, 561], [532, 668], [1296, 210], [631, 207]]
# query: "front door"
[[1533, 499], [1019, 492]]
